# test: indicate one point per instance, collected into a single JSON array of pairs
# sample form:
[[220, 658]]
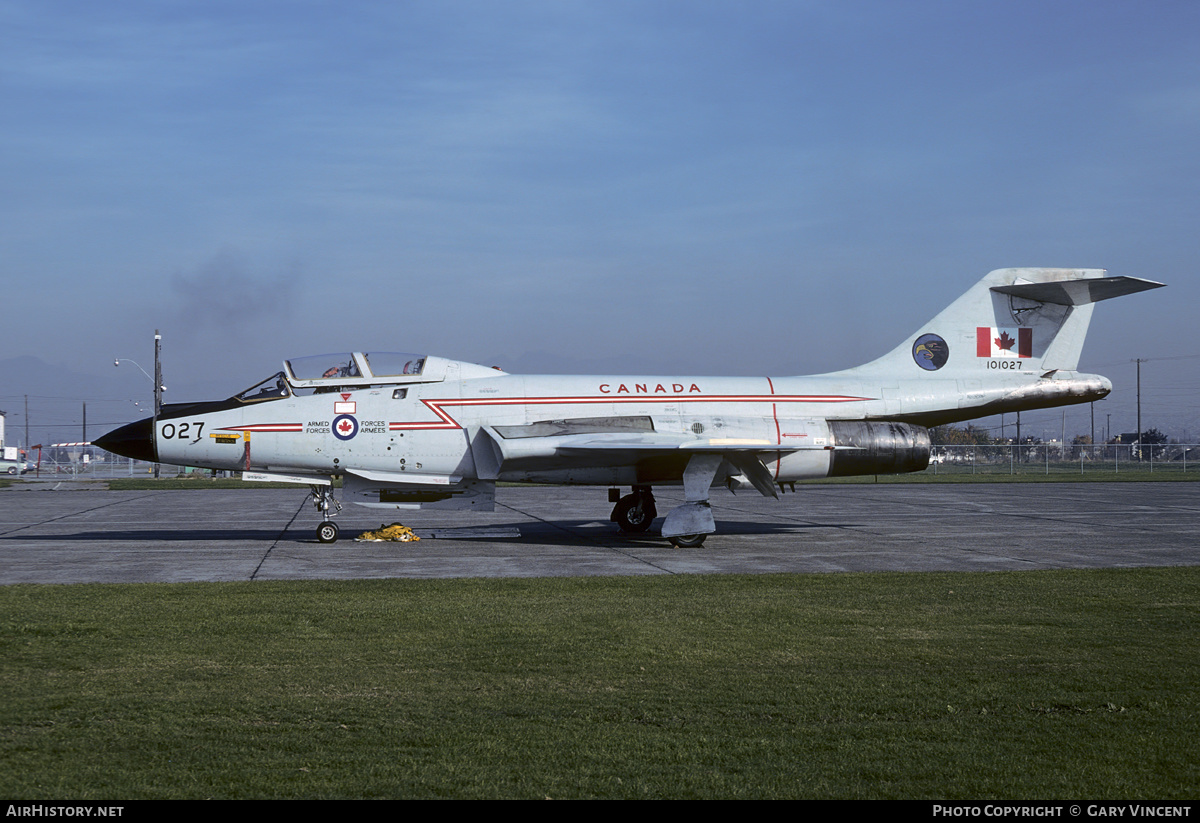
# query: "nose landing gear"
[[323, 500]]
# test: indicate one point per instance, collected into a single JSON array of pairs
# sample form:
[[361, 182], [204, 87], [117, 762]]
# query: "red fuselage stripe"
[[445, 421], [778, 436], [265, 427]]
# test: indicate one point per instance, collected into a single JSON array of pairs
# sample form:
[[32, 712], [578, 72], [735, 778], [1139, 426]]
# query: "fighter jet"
[[416, 431]]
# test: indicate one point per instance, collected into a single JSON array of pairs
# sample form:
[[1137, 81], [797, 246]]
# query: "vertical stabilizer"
[[1020, 319]]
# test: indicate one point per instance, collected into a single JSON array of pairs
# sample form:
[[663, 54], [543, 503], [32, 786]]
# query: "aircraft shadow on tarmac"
[[532, 533], [158, 536], [584, 532]]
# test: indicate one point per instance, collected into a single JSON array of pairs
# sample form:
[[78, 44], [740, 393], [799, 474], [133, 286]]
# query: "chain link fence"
[[1053, 458], [91, 463]]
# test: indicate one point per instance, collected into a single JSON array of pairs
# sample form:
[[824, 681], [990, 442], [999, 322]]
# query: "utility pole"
[[1020, 454], [1139, 406]]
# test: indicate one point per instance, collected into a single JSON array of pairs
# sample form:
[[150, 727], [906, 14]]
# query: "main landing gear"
[[687, 541], [322, 497], [634, 513]]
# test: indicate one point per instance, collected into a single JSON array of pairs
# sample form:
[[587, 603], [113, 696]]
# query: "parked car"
[[13, 466]]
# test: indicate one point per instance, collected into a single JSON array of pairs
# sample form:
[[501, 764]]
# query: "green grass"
[[1020, 685]]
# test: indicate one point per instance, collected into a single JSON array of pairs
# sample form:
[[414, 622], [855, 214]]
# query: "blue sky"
[[638, 187]]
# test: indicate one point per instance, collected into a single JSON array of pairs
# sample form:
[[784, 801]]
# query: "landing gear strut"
[[322, 497], [687, 525], [634, 512]]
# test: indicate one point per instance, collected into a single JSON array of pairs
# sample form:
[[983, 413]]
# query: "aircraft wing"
[[615, 447], [626, 448], [602, 444], [740, 452]]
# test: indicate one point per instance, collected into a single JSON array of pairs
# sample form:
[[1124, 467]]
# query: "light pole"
[[159, 388], [119, 360]]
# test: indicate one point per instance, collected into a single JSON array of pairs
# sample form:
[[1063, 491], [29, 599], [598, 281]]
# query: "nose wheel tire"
[[327, 533]]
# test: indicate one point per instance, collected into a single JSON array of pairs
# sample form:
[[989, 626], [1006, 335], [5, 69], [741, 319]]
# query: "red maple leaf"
[[1004, 341], [345, 426]]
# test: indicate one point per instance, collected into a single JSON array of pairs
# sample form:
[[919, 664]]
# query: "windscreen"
[[273, 388]]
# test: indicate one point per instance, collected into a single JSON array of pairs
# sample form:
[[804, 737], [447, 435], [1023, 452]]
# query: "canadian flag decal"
[[998, 342]]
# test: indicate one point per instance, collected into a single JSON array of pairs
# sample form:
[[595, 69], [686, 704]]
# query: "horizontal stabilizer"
[[1078, 292]]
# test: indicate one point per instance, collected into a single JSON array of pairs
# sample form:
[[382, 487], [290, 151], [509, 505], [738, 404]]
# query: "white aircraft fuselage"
[[416, 431]]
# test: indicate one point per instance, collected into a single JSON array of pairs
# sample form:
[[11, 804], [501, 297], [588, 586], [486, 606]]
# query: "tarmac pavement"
[[82, 533]]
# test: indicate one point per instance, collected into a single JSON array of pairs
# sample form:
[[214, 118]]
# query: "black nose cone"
[[135, 440]]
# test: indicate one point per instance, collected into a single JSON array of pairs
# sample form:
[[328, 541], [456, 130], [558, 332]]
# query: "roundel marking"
[[344, 427], [930, 352]]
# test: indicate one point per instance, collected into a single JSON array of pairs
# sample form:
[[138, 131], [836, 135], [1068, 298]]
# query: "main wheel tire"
[[687, 541], [632, 516], [327, 532]]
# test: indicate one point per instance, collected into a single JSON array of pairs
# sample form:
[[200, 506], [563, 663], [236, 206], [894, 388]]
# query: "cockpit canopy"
[[351, 370], [325, 369]]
